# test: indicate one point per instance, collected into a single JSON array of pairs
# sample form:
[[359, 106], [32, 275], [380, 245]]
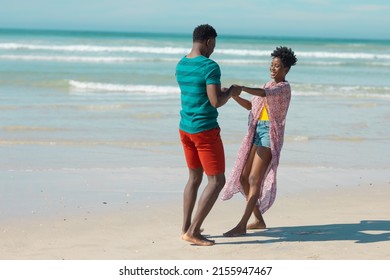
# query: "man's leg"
[[211, 154], [195, 176], [206, 202], [189, 196]]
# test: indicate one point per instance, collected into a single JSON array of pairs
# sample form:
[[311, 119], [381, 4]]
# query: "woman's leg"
[[244, 178], [260, 163], [259, 222]]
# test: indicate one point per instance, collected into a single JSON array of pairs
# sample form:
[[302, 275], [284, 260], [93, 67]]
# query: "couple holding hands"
[[254, 171]]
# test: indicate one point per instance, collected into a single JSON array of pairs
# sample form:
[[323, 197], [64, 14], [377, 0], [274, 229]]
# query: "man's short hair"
[[203, 32]]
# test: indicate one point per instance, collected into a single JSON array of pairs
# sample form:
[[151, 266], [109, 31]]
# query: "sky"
[[360, 19]]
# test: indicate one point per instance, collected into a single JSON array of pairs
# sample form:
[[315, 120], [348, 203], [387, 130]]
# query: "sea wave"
[[343, 55], [297, 138], [124, 59], [21, 128], [341, 91], [92, 48], [88, 143], [182, 51], [308, 90], [151, 90], [324, 54], [88, 59]]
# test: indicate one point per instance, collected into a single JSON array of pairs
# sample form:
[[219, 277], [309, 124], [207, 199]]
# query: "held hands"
[[235, 90]]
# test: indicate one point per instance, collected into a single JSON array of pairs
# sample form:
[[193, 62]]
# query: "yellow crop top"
[[264, 114]]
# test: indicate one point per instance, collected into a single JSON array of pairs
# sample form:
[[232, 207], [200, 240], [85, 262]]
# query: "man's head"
[[203, 32], [205, 35]]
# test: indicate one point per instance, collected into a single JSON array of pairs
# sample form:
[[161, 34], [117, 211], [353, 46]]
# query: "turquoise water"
[[110, 100]]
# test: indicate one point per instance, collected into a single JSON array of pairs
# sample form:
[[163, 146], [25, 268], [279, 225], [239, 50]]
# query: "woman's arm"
[[243, 102], [254, 91]]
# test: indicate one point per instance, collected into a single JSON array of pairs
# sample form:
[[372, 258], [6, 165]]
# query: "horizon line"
[[123, 32]]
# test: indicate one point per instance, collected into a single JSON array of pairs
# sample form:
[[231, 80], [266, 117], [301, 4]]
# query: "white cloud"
[[370, 8], [315, 2]]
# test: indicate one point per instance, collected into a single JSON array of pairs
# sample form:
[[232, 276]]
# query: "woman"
[[254, 172]]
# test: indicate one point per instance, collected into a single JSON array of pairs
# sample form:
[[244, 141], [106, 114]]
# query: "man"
[[201, 94]]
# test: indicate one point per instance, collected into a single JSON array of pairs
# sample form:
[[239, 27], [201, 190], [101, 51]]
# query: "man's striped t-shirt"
[[193, 75]]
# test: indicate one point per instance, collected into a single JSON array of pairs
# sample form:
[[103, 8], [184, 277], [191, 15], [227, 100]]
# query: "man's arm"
[[219, 97]]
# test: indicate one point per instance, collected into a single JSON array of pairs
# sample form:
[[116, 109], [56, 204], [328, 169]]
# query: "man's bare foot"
[[235, 232], [197, 239], [256, 225]]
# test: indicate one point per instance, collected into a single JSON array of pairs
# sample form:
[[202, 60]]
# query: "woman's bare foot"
[[200, 231], [197, 239], [257, 225], [237, 231]]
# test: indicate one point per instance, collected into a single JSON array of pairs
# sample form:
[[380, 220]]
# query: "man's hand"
[[235, 90]]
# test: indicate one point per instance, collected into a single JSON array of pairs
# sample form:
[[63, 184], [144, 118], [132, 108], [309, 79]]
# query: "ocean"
[[109, 101], [98, 99]]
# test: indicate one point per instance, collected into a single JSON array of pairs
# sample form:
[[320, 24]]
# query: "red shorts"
[[204, 149]]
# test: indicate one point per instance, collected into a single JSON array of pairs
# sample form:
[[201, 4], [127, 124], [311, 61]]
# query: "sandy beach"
[[93, 168], [328, 215]]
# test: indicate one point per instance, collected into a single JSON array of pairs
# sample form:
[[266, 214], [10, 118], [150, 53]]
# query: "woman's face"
[[277, 70]]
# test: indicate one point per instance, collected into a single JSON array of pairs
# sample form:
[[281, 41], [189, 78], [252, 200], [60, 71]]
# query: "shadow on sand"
[[363, 232]]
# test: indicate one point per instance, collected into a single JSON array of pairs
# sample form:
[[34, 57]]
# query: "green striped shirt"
[[193, 75]]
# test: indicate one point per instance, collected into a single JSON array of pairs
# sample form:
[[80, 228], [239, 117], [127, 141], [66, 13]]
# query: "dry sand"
[[338, 223]]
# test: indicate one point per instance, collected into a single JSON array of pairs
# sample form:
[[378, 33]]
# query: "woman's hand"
[[235, 90]]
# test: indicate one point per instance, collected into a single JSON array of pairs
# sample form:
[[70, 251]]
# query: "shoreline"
[[49, 192], [324, 218]]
